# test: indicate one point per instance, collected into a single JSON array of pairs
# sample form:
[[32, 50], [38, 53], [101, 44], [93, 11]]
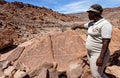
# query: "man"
[[97, 43]]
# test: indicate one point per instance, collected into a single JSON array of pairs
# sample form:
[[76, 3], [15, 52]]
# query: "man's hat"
[[95, 8]]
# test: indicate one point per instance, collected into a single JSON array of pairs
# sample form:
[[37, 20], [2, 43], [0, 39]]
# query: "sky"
[[70, 6]]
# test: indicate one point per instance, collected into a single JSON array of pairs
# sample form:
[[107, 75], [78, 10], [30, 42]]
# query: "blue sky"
[[70, 6]]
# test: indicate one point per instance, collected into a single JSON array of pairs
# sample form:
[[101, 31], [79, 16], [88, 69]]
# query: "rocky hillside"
[[27, 20]]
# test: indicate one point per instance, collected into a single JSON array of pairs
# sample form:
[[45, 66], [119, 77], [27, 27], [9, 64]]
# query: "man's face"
[[91, 15]]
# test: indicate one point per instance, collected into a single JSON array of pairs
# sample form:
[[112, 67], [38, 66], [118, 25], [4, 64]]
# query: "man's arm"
[[79, 26], [103, 52]]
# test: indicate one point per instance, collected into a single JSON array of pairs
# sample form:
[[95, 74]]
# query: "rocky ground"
[[57, 55]]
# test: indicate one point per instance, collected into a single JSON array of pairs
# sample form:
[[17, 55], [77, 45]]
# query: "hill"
[[26, 21], [111, 14]]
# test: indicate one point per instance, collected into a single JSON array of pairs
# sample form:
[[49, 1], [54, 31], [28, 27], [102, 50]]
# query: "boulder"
[[67, 47], [74, 71], [47, 70], [38, 52], [16, 53], [114, 44], [5, 39], [59, 48], [8, 71], [114, 71], [53, 73], [3, 64], [19, 74]]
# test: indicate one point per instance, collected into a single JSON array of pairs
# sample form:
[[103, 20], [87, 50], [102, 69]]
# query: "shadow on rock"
[[110, 75], [27, 76], [7, 49], [114, 59], [62, 75]]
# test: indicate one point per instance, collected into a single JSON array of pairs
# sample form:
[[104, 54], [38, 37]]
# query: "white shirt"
[[96, 32]]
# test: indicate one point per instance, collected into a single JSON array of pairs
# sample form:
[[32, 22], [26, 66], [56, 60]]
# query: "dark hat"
[[95, 8]]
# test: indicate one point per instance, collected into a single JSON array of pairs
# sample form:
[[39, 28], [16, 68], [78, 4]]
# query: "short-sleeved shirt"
[[96, 32]]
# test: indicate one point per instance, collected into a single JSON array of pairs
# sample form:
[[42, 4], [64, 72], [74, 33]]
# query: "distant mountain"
[[111, 14]]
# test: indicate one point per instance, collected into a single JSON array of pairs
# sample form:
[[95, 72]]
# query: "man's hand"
[[99, 61], [73, 28]]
